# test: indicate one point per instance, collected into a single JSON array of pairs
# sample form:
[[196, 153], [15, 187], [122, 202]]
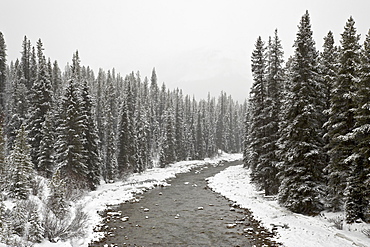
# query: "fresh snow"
[[119, 192], [293, 229]]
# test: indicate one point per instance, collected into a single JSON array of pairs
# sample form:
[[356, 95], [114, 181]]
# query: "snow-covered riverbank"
[[119, 192], [293, 229]]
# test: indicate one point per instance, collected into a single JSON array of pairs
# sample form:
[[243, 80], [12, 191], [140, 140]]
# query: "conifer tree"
[[36, 229], [41, 101], [91, 136], [301, 140], [46, 156], [341, 116], [70, 150], [2, 73], [257, 105], [20, 160], [57, 201], [357, 191], [168, 154], [126, 132]]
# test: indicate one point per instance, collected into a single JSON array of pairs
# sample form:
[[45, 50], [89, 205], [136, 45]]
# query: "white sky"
[[188, 42]]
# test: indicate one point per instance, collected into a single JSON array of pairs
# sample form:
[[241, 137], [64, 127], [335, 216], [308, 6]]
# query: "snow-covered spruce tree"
[[329, 65], [17, 105], [57, 201], [179, 125], [25, 62], [20, 161], [142, 130], [168, 154], [40, 104], [341, 115], [36, 229], [70, 149], [154, 115], [126, 132], [210, 126], [4, 168], [199, 137], [301, 140], [357, 191], [91, 136], [220, 123], [266, 170], [328, 72], [46, 156], [2, 72], [257, 98]]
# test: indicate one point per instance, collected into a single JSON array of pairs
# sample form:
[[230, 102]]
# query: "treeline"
[[65, 131], [308, 131]]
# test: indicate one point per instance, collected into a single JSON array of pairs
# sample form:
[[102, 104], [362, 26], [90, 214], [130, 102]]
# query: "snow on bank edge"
[[119, 192], [304, 231]]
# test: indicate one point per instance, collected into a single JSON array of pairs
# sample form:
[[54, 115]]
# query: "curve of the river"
[[187, 213]]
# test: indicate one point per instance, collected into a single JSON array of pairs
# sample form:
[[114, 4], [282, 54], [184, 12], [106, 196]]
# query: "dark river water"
[[187, 213]]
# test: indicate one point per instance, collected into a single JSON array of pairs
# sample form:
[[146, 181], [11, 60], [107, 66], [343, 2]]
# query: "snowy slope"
[[293, 229]]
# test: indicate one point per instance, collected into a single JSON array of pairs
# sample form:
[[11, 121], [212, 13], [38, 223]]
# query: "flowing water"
[[187, 213]]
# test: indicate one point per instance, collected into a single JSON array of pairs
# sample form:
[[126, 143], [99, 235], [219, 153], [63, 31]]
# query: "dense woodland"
[[308, 131], [63, 132]]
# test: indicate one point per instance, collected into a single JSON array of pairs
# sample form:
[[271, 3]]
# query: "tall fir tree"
[[301, 140], [70, 149], [41, 102], [357, 191], [267, 168], [341, 120], [91, 136], [46, 154], [2, 73], [257, 100], [20, 161]]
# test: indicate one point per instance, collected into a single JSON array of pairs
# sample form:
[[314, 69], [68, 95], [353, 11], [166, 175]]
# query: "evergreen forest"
[[65, 131], [307, 135]]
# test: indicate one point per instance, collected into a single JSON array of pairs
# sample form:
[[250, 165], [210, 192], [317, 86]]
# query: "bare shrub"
[[71, 226], [366, 232], [337, 221]]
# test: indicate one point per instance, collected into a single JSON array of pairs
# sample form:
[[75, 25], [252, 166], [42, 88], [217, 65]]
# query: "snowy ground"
[[294, 229], [119, 192]]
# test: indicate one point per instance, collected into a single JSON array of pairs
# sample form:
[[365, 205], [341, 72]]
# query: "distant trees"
[[308, 124], [68, 130]]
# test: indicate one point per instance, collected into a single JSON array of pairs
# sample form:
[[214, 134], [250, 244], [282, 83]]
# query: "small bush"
[[71, 226], [366, 232], [337, 221]]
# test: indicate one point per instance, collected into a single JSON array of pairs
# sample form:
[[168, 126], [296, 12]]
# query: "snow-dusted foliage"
[[66, 131], [323, 116]]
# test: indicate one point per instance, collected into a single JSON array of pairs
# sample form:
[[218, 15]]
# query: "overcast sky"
[[196, 45]]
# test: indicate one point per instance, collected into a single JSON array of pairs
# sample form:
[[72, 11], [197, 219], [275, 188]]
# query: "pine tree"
[[57, 201], [199, 141], [4, 169], [266, 169], [20, 160], [36, 230], [25, 62], [257, 105], [2, 73], [341, 116], [301, 139], [91, 136], [126, 135], [70, 150], [357, 191], [46, 158], [168, 154], [41, 102]]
